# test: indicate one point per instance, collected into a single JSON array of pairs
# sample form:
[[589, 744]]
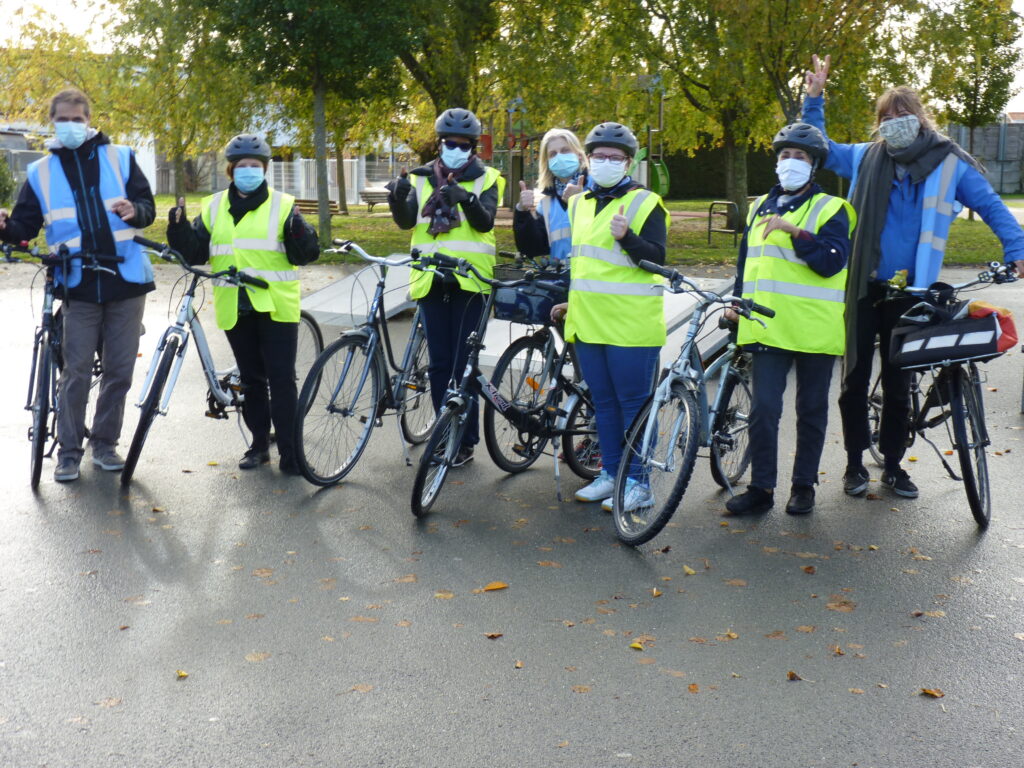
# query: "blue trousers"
[[813, 376], [449, 316], [620, 381]]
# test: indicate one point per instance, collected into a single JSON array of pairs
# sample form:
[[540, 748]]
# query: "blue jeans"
[[813, 376], [620, 381], [449, 316]]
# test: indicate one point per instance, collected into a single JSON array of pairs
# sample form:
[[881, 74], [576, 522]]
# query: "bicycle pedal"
[[215, 415], [413, 386], [520, 450]]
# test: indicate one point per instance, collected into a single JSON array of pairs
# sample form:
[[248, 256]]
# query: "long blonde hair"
[[547, 179], [906, 99]]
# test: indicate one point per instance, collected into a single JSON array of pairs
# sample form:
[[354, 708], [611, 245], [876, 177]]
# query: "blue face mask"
[[564, 164], [247, 179], [71, 135], [454, 158]]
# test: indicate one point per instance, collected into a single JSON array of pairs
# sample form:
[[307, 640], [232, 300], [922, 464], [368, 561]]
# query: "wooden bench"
[[373, 195], [311, 207]]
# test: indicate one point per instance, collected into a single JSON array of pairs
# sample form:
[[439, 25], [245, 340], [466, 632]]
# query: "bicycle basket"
[[917, 345], [528, 304]]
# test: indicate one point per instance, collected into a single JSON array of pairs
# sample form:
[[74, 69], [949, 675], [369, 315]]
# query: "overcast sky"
[[78, 15]]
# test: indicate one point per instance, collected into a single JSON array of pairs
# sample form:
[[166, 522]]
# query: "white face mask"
[[793, 173], [900, 132], [606, 173]]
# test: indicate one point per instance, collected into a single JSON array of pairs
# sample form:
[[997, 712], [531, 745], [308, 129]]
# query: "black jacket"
[[82, 168]]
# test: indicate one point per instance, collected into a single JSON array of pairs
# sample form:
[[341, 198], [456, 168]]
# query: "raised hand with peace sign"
[[815, 79]]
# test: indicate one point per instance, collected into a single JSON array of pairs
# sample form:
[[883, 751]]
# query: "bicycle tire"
[[580, 446], [668, 482], [418, 414], [150, 408], [42, 390], [730, 434], [519, 377], [309, 347], [971, 438], [438, 454], [331, 431], [875, 421]]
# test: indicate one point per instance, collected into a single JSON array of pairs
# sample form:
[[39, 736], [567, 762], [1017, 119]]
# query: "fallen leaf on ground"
[[108, 703], [693, 688], [636, 646], [581, 689], [837, 651], [778, 634], [257, 656], [689, 571], [494, 586], [872, 496], [444, 594], [365, 619], [407, 579], [254, 616], [655, 592], [181, 673], [856, 690], [518, 665], [263, 572], [562, 744], [935, 693], [810, 569], [361, 688], [493, 635], [213, 463], [791, 675], [735, 582], [549, 564], [729, 635], [645, 660], [842, 606]]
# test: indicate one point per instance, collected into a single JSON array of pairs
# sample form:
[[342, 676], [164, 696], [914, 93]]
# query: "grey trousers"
[[119, 325]]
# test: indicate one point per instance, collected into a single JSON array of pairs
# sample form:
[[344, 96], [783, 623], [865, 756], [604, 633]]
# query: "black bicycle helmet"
[[612, 135], [458, 122], [802, 136], [247, 145]]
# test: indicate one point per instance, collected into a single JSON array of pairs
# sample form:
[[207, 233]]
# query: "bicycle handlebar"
[[348, 246], [462, 267], [60, 257], [742, 306], [997, 272], [230, 274]]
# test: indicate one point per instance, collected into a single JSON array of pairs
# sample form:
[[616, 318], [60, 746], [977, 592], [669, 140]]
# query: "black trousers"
[[875, 320], [265, 352]]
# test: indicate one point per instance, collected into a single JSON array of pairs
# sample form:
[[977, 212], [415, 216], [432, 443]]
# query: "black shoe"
[[464, 456], [801, 500], [753, 501], [254, 458], [855, 481], [899, 482]]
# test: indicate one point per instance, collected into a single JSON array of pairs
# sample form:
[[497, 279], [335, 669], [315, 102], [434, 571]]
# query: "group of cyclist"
[[821, 262]]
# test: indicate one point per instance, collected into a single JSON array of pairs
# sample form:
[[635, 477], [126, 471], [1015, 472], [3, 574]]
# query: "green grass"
[[970, 242]]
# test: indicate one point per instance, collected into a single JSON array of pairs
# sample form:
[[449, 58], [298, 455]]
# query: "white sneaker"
[[598, 490], [637, 496]]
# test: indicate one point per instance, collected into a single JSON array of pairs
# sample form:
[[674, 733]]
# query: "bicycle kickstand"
[[401, 439]]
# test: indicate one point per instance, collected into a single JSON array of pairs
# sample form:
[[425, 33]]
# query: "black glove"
[[400, 187], [453, 194], [295, 225], [176, 216]]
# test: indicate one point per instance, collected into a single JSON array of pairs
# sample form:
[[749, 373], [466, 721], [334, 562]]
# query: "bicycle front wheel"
[[150, 408], [42, 389], [417, 407], [309, 347], [437, 458], [875, 421], [520, 378], [652, 479], [580, 447], [971, 438], [730, 435], [337, 410]]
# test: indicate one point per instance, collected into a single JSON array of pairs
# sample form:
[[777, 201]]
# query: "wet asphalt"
[[331, 628]]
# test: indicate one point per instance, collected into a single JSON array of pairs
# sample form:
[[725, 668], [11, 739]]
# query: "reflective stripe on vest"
[[611, 300], [60, 216], [809, 308], [255, 246], [462, 241]]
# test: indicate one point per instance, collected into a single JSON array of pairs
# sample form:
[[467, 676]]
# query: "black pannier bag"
[[927, 336]]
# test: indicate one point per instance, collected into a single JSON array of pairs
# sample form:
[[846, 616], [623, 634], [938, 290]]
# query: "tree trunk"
[[339, 161], [320, 146], [736, 174]]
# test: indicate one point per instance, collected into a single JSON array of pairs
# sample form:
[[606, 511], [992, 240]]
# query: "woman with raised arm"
[[907, 186], [259, 230], [450, 204]]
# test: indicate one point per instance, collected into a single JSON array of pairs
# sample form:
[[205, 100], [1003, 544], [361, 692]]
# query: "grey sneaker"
[[108, 459], [67, 469]]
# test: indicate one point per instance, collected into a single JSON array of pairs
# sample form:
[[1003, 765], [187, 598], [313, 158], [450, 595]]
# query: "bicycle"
[[661, 445], [225, 390], [446, 436], [43, 399], [954, 389], [349, 390], [531, 374]]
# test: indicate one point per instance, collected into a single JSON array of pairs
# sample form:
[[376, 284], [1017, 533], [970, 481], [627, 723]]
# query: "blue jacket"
[[902, 228]]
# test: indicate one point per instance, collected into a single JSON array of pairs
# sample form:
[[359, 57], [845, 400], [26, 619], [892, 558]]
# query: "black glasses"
[[455, 144]]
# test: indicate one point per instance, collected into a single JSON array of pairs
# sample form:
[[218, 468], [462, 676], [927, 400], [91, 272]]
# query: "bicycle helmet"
[[803, 136], [612, 135], [247, 145], [458, 122]]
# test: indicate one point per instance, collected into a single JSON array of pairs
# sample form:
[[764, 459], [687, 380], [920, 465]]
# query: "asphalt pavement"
[[213, 617]]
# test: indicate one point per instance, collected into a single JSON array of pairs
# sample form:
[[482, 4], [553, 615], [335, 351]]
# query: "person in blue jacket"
[[907, 187]]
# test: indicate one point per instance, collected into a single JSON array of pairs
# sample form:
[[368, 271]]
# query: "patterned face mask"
[[900, 132]]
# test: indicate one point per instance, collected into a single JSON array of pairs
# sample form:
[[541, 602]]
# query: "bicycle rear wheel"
[[150, 408], [730, 435], [663, 469], [418, 415], [42, 390], [520, 378], [337, 410], [437, 458], [580, 447], [971, 438]]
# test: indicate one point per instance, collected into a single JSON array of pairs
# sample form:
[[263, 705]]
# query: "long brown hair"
[[903, 98]]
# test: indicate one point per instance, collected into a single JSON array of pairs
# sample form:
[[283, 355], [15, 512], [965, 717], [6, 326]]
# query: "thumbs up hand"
[[453, 193], [526, 197], [401, 186], [575, 187], [620, 226]]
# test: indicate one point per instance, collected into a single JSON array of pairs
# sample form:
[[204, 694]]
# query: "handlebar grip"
[[726, 324], [257, 282], [657, 269], [151, 244], [761, 309]]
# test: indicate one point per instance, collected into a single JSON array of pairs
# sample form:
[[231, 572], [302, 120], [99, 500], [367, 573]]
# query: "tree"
[[317, 46]]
